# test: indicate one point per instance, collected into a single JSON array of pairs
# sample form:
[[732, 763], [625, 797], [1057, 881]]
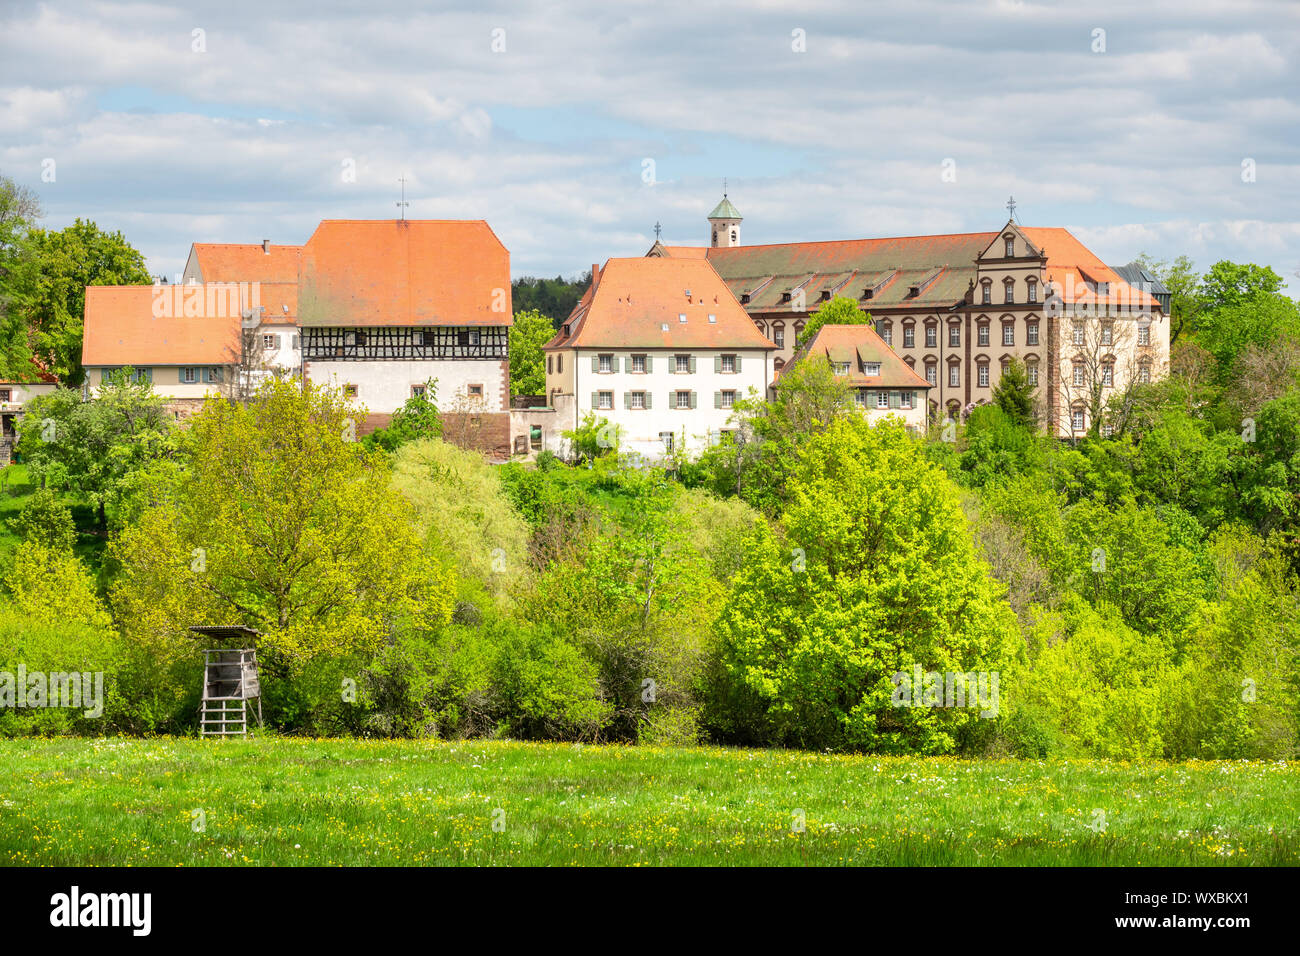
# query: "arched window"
[[1010, 247], [1009, 290]]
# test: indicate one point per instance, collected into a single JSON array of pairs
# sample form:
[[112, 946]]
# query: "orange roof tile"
[[124, 327], [638, 303], [246, 262], [858, 345], [404, 272], [1076, 271]]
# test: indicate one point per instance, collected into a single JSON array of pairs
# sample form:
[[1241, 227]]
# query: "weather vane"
[[403, 204]]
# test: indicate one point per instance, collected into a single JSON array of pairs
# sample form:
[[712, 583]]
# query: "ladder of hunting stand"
[[230, 682]]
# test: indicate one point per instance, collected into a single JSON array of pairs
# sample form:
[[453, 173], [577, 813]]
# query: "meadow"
[[275, 801]]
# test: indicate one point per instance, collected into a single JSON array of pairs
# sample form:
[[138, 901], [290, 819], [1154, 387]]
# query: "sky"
[[573, 128]]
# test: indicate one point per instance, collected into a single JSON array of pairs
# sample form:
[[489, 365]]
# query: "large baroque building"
[[958, 308]]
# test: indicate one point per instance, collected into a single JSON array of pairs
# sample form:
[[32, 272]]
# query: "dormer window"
[[868, 293], [681, 317], [785, 296], [841, 368], [870, 368], [744, 298]]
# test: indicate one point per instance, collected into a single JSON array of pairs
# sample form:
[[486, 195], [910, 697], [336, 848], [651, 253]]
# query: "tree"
[[92, 448], [19, 210], [530, 332], [876, 572], [1015, 396], [1230, 284], [282, 522], [52, 289], [593, 438], [1184, 284], [418, 418], [840, 310], [553, 298]]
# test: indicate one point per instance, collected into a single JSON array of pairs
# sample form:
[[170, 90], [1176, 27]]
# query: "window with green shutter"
[[694, 396], [692, 364], [737, 360], [649, 367], [717, 398], [717, 364], [595, 363]]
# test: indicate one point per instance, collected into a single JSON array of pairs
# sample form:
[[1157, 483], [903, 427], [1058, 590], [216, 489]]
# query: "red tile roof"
[[859, 344], [1076, 271], [638, 303], [411, 272], [122, 328], [246, 262]]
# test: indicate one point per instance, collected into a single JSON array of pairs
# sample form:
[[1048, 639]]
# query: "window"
[[909, 337], [417, 391], [189, 376], [1031, 372], [349, 338], [988, 293], [681, 318], [1144, 371], [212, 375], [713, 318], [1107, 332], [417, 337], [638, 364], [605, 363], [295, 343], [473, 336], [1144, 334], [1077, 332], [667, 439], [870, 368], [931, 336], [636, 400], [1078, 373], [984, 374], [728, 364], [1009, 291], [905, 399], [1033, 290], [860, 396], [932, 374], [1076, 419], [1108, 374], [349, 391], [728, 398], [887, 333], [550, 364], [954, 335], [984, 334], [559, 363], [682, 364], [778, 336], [954, 374], [5, 395], [841, 368], [1011, 248], [1031, 333], [683, 399], [1008, 334], [605, 400], [270, 341]]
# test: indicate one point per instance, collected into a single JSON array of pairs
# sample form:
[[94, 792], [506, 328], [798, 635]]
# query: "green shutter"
[[693, 396], [737, 361], [649, 367], [717, 364], [180, 375], [717, 399], [647, 394], [692, 366], [672, 399], [595, 363], [627, 363], [627, 400], [595, 400], [895, 400]]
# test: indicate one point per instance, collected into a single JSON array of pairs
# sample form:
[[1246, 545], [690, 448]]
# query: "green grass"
[[296, 802]]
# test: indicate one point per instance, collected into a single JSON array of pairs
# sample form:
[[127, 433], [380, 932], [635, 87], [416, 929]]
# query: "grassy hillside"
[[298, 802]]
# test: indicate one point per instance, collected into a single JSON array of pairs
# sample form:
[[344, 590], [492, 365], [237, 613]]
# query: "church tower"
[[724, 225]]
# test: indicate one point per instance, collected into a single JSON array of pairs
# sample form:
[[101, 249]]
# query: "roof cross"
[[658, 230], [1011, 206]]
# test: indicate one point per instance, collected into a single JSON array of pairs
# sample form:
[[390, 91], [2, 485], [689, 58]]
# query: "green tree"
[[52, 289], [553, 298], [92, 448], [1230, 284], [840, 310], [417, 419], [282, 522], [19, 211], [876, 572], [1015, 396], [530, 332]]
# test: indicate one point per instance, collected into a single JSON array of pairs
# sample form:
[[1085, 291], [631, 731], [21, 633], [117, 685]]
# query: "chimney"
[[595, 277], [266, 246]]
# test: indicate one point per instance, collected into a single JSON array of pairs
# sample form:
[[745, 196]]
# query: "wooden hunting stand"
[[230, 683]]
